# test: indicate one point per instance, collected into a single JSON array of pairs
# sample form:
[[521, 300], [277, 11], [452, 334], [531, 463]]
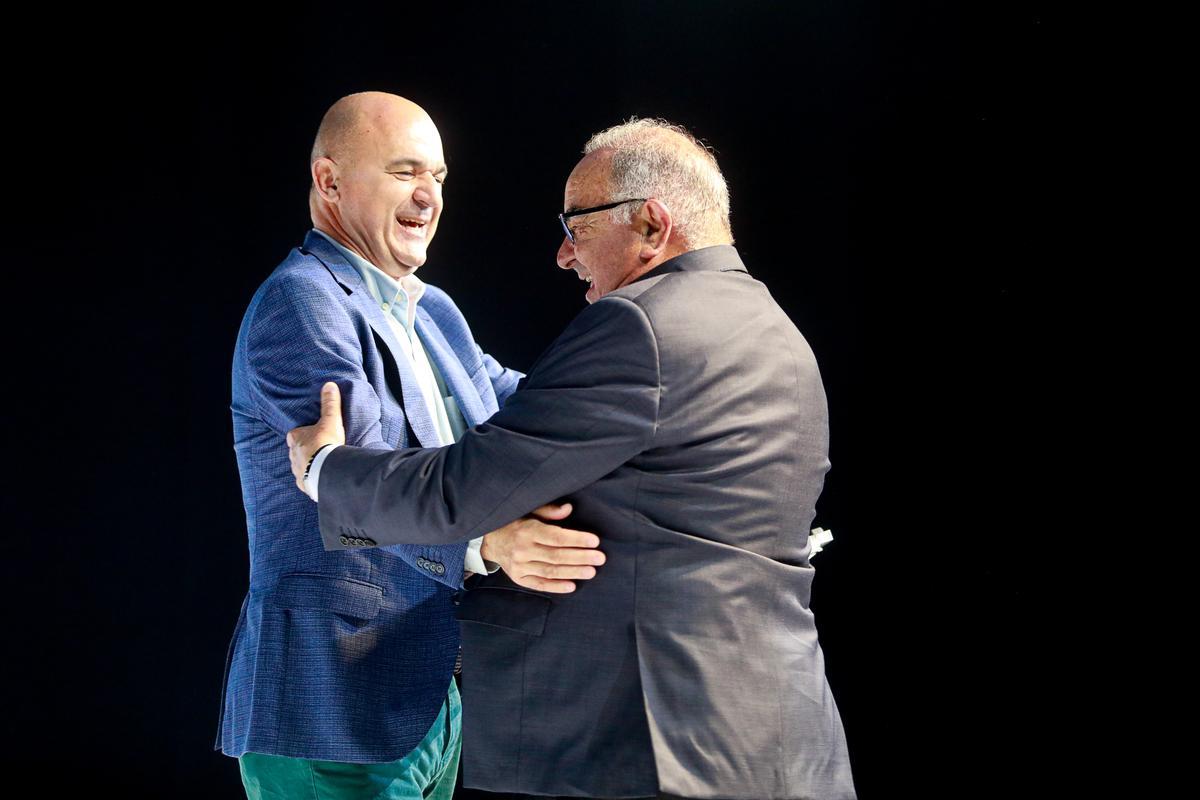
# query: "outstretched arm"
[[588, 406]]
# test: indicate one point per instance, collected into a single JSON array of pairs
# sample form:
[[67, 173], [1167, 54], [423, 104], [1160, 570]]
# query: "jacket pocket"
[[344, 596], [513, 609]]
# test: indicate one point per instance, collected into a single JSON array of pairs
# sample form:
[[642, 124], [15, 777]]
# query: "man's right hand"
[[544, 557]]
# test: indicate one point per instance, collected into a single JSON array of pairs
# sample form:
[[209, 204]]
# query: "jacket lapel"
[[451, 369], [347, 276]]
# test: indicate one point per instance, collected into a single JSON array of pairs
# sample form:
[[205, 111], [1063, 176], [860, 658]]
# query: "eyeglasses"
[[566, 215]]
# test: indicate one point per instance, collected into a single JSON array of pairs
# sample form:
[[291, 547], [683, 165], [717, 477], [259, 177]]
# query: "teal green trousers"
[[427, 773]]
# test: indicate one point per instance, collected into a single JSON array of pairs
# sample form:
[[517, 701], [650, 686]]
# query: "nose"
[[428, 192], [566, 254]]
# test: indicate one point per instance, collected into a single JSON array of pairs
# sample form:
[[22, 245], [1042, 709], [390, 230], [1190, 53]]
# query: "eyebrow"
[[440, 169]]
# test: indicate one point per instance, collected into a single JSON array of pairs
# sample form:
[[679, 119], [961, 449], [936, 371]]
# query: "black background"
[[887, 166]]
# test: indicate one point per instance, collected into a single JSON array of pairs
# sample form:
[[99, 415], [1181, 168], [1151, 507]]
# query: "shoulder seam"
[[657, 359]]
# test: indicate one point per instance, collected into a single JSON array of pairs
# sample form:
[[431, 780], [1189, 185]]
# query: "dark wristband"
[[308, 466]]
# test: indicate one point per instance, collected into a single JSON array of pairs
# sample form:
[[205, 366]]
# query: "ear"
[[324, 178], [653, 223]]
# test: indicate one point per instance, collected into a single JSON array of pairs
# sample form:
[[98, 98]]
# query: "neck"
[[328, 224]]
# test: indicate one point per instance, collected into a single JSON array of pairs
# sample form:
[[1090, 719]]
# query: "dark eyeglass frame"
[[566, 215]]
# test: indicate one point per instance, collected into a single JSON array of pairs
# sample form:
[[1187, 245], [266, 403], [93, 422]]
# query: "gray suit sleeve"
[[590, 404]]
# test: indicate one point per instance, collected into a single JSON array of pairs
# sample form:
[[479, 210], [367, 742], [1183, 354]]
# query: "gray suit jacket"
[[684, 417]]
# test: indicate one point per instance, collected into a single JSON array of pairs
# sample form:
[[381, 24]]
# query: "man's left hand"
[[303, 443]]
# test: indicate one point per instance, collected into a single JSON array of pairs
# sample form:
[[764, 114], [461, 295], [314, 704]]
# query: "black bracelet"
[[314, 458]]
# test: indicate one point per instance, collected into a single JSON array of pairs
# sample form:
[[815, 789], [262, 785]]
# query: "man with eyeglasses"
[[683, 416], [339, 677]]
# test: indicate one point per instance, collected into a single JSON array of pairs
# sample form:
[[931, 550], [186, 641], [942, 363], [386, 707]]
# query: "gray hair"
[[656, 158]]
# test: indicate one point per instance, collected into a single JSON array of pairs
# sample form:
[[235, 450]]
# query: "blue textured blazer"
[[339, 656]]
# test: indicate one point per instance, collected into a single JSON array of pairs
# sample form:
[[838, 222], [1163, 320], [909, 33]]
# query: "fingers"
[[539, 569], [554, 536], [300, 445], [567, 556], [295, 457], [544, 557], [297, 470], [550, 544], [544, 585], [552, 511], [331, 403]]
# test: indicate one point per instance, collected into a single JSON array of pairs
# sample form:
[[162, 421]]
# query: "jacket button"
[[345, 540], [369, 542], [439, 569]]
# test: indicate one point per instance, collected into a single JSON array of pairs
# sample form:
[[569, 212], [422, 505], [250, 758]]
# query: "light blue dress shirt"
[[399, 299]]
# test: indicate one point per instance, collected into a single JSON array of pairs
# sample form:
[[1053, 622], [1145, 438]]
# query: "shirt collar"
[[387, 291]]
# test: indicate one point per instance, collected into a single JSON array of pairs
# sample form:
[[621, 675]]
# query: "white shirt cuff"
[[313, 479], [473, 562]]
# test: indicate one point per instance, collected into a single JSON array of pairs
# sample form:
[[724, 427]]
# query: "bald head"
[[358, 117], [377, 170]]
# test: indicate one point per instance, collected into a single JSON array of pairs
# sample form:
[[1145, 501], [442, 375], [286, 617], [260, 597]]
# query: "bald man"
[[339, 676]]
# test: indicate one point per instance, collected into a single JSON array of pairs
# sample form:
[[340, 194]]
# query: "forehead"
[[410, 138], [587, 184]]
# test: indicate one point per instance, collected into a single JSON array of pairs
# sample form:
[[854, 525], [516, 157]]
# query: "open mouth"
[[414, 224]]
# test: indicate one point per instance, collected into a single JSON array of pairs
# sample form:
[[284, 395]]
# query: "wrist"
[[312, 458]]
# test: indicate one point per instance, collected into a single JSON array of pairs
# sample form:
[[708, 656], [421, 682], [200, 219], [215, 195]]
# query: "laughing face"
[[389, 189], [604, 253]]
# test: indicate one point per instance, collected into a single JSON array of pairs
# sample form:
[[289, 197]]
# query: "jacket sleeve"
[[504, 380], [298, 338], [589, 404]]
